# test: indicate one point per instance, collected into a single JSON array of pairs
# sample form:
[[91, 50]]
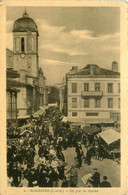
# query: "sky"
[[71, 36]]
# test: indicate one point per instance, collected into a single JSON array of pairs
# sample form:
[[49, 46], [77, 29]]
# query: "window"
[[118, 102], [86, 102], [118, 87], [74, 87], [17, 42], [33, 43], [97, 102], [74, 113], [110, 87], [11, 105], [92, 114], [86, 87], [74, 102], [22, 44], [115, 115], [110, 102], [29, 43], [97, 86]]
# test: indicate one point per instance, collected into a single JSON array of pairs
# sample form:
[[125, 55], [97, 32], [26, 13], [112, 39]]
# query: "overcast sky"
[[72, 36]]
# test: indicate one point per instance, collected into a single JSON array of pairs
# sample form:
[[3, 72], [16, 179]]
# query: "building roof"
[[15, 83], [11, 73], [12, 89], [93, 70], [11, 83], [24, 24], [8, 50]]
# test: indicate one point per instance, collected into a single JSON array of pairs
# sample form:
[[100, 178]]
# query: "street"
[[106, 167], [53, 143]]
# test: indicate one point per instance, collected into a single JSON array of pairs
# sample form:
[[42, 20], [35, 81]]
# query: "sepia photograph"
[[63, 97]]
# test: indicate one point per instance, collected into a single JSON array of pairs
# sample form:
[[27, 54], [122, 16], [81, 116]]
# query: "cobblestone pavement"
[[106, 167]]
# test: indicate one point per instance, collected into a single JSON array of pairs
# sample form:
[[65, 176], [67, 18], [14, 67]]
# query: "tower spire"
[[25, 15]]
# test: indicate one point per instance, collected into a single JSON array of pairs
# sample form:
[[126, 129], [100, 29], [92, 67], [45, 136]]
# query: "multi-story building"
[[93, 94], [24, 60]]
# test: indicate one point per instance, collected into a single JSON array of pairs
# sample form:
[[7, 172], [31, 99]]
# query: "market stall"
[[91, 129], [25, 127], [40, 112], [110, 140]]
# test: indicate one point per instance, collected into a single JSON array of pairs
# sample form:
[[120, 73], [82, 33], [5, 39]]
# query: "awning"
[[39, 112], [109, 136], [100, 121], [53, 105], [24, 131], [23, 117], [92, 120], [25, 127], [91, 129], [65, 119], [108, 128]]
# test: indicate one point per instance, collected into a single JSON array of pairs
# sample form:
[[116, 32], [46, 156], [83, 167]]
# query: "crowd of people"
[[36, 157]]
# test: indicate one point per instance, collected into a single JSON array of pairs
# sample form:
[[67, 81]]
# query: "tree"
[[53, 96]]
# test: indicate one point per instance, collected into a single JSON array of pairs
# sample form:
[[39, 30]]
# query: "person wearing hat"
[[54, 177], [24, 182], [29, 174], [88, 156], [41, 176], [60, 156], [61, 169], [44, 151], [79, 154], [105, 183], [15, 175], [73, 175], [64, 182], [95, 179]]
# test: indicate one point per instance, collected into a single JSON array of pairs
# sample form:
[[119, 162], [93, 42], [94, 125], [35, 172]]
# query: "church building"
[[32, 82]]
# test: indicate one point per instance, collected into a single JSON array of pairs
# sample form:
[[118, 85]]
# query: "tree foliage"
[[53, 96]]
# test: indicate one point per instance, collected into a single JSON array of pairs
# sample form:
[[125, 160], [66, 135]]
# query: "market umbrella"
[[25, 131], [91, 129], [110, 136]]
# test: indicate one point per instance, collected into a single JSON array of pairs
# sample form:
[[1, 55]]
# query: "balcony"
[[92, 93]]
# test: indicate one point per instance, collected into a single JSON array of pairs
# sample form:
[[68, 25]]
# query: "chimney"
[[74, 68], [91, 70], [115, 66]]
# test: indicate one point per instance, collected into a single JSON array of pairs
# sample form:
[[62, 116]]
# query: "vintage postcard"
[[63, 97]]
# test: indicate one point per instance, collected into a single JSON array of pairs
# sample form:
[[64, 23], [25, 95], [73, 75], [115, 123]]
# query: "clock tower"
[[25, 61], [25, 48]]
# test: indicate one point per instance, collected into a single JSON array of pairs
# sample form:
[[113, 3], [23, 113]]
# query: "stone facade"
[[9, 58], [93, 93]]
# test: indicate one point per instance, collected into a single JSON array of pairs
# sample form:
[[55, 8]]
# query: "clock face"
[[22, 55]]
